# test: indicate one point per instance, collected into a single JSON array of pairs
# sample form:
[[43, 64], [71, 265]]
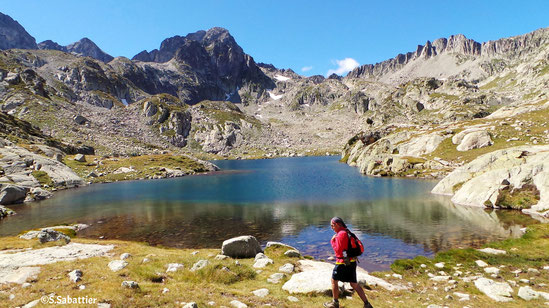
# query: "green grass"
[[144, 166], [43, 178], [515, 198]]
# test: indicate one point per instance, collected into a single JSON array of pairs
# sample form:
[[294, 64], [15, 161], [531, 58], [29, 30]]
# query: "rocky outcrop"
[[307, 282], [13, 35], [511, 178]]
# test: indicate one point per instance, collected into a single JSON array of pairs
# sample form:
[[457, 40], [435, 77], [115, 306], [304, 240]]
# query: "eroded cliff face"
[[452, 57]]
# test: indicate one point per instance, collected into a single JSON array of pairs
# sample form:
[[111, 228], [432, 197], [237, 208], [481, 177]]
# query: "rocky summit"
[[420, 114]]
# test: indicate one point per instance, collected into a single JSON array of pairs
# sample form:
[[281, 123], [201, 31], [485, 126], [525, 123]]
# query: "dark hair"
[[339, 221]]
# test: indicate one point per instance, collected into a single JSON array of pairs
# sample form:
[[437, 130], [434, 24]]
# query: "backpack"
[[355, 247]]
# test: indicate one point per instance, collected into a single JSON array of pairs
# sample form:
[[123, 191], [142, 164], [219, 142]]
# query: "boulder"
[[475, 140], [117, 265], [40, 194], [50, 235], [245, 246], [10, 194], [498, 291], [263, 262], [79, 120], [80, 158], [287, 268]]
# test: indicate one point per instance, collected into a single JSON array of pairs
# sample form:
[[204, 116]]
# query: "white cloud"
[[306, 68], [344, 66]]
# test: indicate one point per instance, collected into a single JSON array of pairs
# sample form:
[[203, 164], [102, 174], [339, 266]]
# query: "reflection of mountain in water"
[[435, 223]]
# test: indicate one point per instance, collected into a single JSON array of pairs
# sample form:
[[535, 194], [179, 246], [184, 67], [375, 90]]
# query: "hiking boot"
[[368, 305], [331, 304]]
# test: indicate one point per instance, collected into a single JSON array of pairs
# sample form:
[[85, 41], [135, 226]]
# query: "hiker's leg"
[[335, 289], [359, 291]]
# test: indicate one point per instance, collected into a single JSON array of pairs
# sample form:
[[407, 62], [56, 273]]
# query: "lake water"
[[285, 199]]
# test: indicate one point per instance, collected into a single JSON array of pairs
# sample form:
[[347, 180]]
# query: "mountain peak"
[[13, 35], [88, 48]]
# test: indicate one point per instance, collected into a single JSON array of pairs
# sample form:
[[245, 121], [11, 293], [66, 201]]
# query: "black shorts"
[[345, 273]]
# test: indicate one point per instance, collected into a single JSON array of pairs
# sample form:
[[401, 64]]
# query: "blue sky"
[[310, 37]]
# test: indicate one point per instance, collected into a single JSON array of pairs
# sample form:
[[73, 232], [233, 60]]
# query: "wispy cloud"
[[306, 68], [343, 66]]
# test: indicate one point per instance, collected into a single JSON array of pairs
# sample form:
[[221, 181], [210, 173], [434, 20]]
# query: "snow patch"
[[275, 97], [282, 78]]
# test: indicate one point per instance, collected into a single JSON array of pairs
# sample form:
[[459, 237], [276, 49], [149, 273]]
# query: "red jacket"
[[340, 243]]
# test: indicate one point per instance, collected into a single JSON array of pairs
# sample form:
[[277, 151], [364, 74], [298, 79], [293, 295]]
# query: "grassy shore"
[[223, 280]]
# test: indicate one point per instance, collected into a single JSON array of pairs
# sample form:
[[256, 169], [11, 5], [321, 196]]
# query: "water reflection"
[[278, 200]]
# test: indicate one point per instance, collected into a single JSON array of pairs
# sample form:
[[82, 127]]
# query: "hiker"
[[345, 268]]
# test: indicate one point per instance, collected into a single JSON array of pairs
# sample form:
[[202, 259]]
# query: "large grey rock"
[[245, 246], [10, 194], [475, 140], [50, 235], [315, 278], [498, 291]]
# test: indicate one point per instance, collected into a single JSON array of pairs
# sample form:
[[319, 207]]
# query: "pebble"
[[293, 299], [533, 271], [165, 290], [491, 270], [423, 266], [26, 285], [125, 256], [130, 284], [439, 265], [525, 281], [261, 292], [190, 305], [82, 287], [174, 267], [238, 304], [194, 253], [481, 263]]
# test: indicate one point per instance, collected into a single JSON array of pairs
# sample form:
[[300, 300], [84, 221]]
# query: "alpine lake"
[[290, 200]]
